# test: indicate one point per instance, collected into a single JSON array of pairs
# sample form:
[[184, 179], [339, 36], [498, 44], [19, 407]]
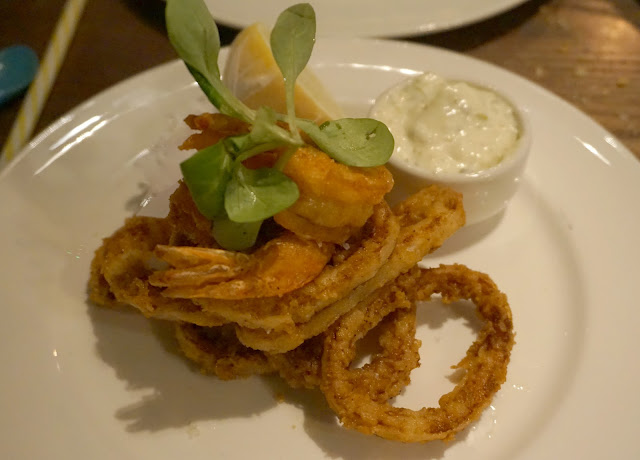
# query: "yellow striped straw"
[[41, 86]]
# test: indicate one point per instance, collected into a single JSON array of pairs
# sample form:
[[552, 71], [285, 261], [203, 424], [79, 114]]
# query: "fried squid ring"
[[122, 265], [485, 363], [188, 226], [217, 351], [427, 219], [390, 367]]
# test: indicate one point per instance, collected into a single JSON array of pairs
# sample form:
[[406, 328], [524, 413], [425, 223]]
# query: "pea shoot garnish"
[[238, 199]]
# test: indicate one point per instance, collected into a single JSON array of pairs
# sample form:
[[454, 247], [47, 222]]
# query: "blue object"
[[18, 67]]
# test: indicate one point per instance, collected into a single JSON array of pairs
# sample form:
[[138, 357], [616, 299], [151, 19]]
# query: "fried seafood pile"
[[324, 273]]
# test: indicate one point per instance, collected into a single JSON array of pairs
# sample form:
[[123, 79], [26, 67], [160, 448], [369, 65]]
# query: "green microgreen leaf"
[[207, 174], [243, 146], [265, 135], [360, 142], [221, 97], [266, 129], [235, 236], [292, 40], [256, 194], [194, 35]]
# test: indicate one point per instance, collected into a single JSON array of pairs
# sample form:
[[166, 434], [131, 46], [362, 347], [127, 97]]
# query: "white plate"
[[85, 382], [367, 18]]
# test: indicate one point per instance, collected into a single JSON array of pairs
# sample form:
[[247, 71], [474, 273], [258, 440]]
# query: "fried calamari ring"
[[122, 265], [389, 372], [428, 218], [390, 367], [188, 226], [300, 367], [217, 351], [485, 362]]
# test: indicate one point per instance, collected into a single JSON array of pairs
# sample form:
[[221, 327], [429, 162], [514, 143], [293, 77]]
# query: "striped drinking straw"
[[39, 90]]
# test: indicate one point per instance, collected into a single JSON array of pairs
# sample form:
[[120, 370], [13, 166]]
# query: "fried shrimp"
[[335, 199], [307, 229], [213, 127], [331, 213], [324, 220], [485, 363], [371, 247], [195, 266], [374, 244], [283, 264], [316, 174]]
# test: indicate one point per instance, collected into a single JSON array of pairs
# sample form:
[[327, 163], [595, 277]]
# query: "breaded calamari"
[[485, 363]]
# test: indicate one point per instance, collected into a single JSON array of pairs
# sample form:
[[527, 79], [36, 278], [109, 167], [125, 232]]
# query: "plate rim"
[[410, 30], [620, 149]]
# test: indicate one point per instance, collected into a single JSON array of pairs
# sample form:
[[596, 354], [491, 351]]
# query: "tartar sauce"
[[448, 127]]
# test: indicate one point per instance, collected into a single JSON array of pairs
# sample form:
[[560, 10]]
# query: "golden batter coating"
[[337, 266], [485, 363]]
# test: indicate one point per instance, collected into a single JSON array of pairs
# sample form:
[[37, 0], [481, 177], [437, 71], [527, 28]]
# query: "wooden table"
[[585, 51]]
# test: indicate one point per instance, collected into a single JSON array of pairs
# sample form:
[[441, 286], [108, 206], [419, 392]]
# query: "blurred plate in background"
[[367, 18]]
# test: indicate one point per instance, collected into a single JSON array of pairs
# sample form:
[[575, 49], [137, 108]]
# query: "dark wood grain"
[[585, 51]]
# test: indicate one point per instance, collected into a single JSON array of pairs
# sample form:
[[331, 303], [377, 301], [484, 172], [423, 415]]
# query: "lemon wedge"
[[252, 74]]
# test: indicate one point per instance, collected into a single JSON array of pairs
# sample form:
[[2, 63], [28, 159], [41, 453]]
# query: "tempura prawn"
[[335, 199], [283, 264]]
